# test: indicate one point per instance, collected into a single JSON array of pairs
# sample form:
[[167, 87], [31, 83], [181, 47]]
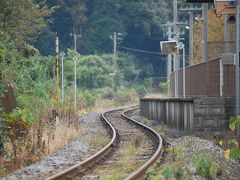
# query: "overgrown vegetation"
[[205, 166], [30, 131], [97, 142], [126, 163], [27, 32], [179, 166], [164, 87], [231, 143]]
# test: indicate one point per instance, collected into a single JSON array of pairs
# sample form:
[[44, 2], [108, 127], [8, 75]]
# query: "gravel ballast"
[[71, 154], [191, 147]]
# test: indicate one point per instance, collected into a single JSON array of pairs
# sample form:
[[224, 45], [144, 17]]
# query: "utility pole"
[[237, 61], [75, 36], [115, 58], [184, 71], [62, 54], [115, 50], [205, 32], [75, 82], [191, 38], [57, 73], [170, 34], [176, 37], [115, 38], [226, 34], [182, 47], [169, 64], [190, 11]]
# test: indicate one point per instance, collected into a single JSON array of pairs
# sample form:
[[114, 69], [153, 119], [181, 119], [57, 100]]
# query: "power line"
[[139, 50]]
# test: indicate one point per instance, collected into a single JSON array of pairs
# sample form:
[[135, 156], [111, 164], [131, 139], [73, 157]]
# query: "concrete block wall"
[[209, 116], [198, 116]]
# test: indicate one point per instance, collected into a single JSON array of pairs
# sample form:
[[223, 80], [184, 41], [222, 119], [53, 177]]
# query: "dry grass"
[[96, 142], [162, 128], [103, 104], [121, 99], [29, 151], [156, 95], [43, 138], [126, 164], [61, 136]]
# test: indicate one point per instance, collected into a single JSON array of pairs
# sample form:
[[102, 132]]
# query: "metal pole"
[[205, 32], [75, 36], [190, 38], [57, 73], [75, 41], [115, 49], [191, 10], [169, 64], [176, 36], [62, 54], [75, 83], [237, 61], [115, 58], [184, 70], [62, 82]]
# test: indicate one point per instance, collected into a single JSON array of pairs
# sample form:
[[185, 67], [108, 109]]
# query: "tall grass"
[[28, 150], [45, 137]]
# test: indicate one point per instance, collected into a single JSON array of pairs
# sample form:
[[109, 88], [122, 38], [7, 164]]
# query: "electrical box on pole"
[[168, 47]]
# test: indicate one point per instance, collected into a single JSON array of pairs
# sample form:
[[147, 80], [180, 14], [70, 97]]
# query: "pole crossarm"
[[172, 24], [190, 9]]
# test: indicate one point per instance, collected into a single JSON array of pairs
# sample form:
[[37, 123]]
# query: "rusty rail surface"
[[139, 174]]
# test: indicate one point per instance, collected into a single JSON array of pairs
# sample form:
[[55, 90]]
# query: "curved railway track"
[[142, 145]]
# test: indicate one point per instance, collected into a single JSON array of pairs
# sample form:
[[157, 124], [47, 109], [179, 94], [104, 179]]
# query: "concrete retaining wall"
[[192, 115]]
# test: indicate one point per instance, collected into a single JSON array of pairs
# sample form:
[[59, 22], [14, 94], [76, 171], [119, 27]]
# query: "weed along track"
[[133, 148]]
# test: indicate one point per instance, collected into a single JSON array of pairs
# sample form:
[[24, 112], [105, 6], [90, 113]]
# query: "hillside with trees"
[[28, 65]]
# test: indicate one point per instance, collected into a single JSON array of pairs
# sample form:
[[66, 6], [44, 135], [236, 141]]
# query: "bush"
[[164, 87], [145, 121], [89, 99], [205, 166], [141, 90], [125, 96], [233, 148], [18, 123], [105, 93]]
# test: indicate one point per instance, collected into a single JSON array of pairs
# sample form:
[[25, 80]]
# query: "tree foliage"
[[23, 19], [138, 21], [215, 32]]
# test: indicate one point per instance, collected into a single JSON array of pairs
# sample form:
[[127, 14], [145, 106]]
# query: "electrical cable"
[[139, 50]]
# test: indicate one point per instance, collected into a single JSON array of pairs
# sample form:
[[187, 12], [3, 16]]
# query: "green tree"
[[94, 72], [23, 19]]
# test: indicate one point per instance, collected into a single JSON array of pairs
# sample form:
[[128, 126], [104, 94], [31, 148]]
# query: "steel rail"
[[76, 169], [141, 172]]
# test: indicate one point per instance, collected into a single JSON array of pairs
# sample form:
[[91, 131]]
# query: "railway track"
[[133, 148]]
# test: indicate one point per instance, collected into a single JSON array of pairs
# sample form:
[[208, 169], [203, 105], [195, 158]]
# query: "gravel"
[[192, 146], [71, 154], [79, 150]]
